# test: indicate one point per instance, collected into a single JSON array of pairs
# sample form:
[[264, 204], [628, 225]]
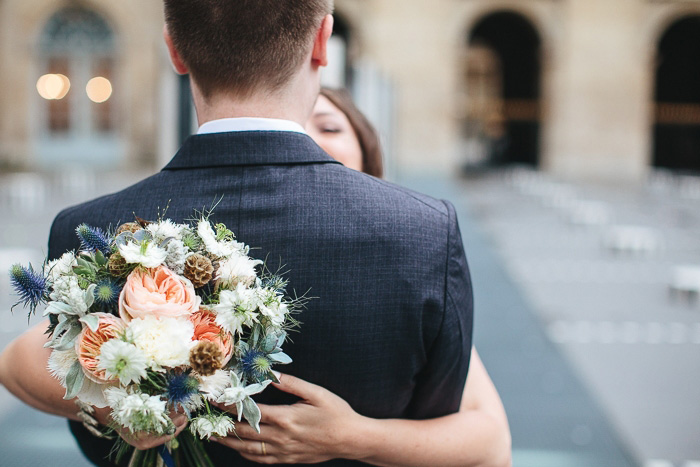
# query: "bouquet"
[[157, 318]]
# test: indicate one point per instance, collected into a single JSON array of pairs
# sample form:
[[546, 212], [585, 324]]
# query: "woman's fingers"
[[180, 421], [253, 449], [298, 387], [142, 440]]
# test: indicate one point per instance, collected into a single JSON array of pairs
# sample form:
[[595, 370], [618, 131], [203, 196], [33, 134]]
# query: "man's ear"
[[175, 58], [319, 55]]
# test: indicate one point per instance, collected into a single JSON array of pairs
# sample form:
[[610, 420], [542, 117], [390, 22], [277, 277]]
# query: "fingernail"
[[213, 439], [277, 374]]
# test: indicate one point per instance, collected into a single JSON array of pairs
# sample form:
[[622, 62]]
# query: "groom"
[[390, 329]]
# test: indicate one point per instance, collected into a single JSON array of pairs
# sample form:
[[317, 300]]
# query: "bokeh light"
[[99, 89], [53, 86]]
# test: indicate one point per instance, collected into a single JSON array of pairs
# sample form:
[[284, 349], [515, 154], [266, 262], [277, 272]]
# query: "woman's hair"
[[366, 134]]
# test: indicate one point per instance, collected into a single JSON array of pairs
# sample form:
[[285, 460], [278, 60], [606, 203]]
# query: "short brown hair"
[[366, 134], [242, 46]]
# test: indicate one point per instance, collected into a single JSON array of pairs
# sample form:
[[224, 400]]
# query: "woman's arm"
[[323, 426], [23, 371]]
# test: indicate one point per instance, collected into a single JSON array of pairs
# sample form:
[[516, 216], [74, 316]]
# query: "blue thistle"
[[93, 239], [255, 365], [107, 295], [181, 390], [30, 285]]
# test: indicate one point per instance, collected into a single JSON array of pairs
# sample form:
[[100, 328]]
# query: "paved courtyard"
[[610, 273], [585, 318]]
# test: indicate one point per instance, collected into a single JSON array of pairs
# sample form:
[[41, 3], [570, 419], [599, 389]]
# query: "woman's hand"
[[317, 428], [142, 440]]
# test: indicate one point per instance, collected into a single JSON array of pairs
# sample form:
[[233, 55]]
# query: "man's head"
[[243, 46]]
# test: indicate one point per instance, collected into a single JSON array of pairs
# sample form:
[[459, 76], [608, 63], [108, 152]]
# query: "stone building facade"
[[594, 89]]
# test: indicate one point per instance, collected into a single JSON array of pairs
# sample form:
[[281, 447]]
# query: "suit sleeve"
[[439, 386]]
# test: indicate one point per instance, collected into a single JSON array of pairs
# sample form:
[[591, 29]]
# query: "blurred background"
[[566, 132]]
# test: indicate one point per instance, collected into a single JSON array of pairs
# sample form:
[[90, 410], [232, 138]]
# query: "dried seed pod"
[[205, 358], [118, 266], [199, 270]]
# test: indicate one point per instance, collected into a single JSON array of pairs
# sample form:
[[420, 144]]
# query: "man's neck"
[[291, 106]]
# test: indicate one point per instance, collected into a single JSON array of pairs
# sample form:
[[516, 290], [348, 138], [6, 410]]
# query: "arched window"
[[76, 112], [677, 96], [502, 81]]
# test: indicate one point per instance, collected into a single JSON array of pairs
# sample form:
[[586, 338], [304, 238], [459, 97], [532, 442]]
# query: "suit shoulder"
[[103, 212], [97, 209], [395, 197]]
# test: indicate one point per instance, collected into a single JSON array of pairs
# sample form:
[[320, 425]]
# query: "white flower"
[[177, 254], [208, 425], [62, 266], [238, 268], [221, 249], [66, 289], [122, 360], [237, 393], [150, 256], [165, 229], [166, 342], [115, 395], [213, 386], [60, 363], [276, 311], [236, 308], [139, 412]]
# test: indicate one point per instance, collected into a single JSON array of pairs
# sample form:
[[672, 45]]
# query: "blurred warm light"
[[99, 89], [53, 86]]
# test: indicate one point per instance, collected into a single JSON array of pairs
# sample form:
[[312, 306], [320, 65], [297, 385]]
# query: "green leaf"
[[63, 325], [280, 357], [67, 340], [90, 295], [58, 308], [256, 336], [281, 339], [256, 388], [251, 412], [269, 343], [100, 258], [74, 380], [82, 270], [91, 321]]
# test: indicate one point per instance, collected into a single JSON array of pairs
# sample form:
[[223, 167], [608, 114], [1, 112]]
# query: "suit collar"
[[246, 148]]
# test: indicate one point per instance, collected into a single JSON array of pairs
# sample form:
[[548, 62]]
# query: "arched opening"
[[677, 97], [76, 90], [502, 117]]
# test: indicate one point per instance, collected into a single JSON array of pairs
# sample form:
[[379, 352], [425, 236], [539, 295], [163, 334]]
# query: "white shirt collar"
[[223, 125]]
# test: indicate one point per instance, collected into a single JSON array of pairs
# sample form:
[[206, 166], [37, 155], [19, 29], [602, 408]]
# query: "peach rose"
[[88, 344], [206, 329], [157, 292]]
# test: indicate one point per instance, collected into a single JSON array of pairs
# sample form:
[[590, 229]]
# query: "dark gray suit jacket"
[[391, 329]]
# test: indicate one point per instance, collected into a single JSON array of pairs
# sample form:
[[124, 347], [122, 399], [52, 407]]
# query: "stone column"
[[599, 103]]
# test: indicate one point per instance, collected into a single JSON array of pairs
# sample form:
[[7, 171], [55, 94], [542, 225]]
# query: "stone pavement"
[[596, 278], [593, 358]]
